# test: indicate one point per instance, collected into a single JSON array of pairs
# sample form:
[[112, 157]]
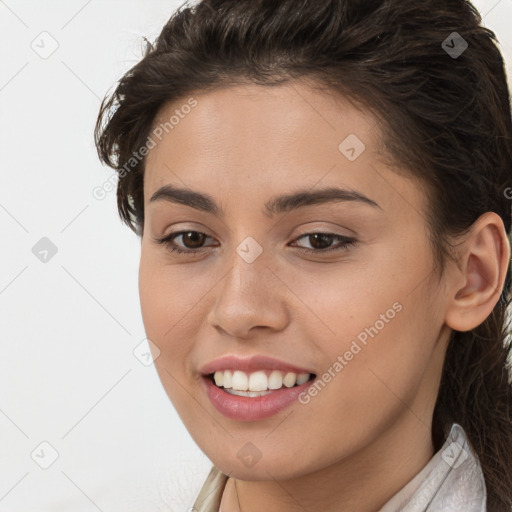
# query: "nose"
[[249, 297]]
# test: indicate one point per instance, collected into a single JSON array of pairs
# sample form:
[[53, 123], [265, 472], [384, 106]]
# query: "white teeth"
[[256, 383], [248, 393], [302, 377], [290, 379], [219, 378], [240, 381], [275, 380], [227, 379]]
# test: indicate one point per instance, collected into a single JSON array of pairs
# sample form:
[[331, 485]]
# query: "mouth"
[[259, 383], [254, 396]]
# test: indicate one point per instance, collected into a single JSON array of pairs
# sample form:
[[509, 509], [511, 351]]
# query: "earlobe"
[[483, 266]]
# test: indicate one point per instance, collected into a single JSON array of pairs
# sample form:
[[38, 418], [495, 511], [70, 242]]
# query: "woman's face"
[[366, 318]]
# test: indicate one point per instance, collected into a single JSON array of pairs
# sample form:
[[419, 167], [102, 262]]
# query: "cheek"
[[374, 375], [168, 294], [164, 302], [173, 302], [376, 328], [335, 307], [384, 353], [164, 309]]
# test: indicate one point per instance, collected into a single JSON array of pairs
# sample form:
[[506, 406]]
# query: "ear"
[[478, 282]]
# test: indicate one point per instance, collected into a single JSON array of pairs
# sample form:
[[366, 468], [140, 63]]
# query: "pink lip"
[[243, 408], [250, 364]]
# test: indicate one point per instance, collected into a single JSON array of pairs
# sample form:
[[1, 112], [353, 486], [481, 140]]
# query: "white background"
[[68, 375]]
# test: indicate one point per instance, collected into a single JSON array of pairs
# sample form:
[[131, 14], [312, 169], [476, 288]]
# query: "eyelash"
[[345, 243]]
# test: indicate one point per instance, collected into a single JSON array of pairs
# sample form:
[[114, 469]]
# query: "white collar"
[[451, 481]]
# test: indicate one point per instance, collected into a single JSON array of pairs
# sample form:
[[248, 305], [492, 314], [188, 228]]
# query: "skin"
[[368, 431]]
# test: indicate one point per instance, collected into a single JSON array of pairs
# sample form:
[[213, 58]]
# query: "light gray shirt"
[[452, 481]]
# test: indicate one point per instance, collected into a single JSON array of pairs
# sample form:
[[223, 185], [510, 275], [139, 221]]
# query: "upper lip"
[[250, 364]]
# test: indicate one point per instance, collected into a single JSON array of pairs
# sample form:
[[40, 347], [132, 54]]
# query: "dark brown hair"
[[446, 117]]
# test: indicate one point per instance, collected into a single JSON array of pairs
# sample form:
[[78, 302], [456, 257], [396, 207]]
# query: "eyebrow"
[[280, 204]]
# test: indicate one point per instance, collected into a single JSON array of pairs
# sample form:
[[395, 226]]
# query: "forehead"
[[240, 140], [264, 119]]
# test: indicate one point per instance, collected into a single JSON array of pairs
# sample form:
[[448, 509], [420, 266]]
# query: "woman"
[[322, 191]]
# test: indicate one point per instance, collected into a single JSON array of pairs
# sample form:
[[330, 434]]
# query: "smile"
[[251, 404], [258, 383]]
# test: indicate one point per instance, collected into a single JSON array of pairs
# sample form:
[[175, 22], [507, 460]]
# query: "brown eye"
[[193, 239], [323, 242], [320, 240]]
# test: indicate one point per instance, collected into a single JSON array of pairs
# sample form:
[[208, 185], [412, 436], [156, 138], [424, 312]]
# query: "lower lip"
[[244, 408]]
